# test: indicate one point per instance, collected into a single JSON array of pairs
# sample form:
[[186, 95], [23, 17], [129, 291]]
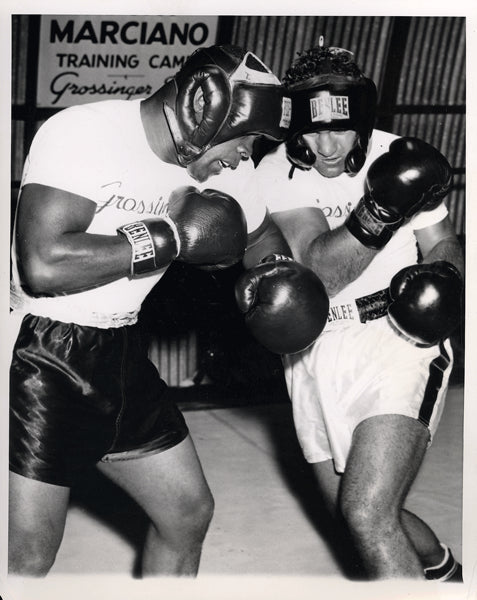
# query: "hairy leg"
[[423, 539], [171, 488], [329, 482], [37, 514], [384, 459]]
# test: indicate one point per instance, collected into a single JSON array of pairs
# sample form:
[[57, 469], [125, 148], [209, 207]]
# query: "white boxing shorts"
[[357, 371]]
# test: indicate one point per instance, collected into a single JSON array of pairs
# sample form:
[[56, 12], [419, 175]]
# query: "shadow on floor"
[[109, 504]]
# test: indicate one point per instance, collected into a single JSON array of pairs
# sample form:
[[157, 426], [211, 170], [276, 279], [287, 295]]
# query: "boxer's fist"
[[285, 304], [425, 302], [410, 177], [206, 229], [211, 225]]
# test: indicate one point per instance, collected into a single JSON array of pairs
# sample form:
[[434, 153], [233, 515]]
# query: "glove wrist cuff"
[[151, 251], [449, 267], [175, 232], [371, 230], [275, 258], [414, 340], [374, 238]]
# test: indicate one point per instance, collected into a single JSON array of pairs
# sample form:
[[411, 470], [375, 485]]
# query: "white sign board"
[[86, 58]]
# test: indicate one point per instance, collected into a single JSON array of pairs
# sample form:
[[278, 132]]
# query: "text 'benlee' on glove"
[[206, 229], [412, 176]]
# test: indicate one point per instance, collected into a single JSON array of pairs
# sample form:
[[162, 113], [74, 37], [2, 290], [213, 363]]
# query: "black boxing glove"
[[425, 302], [285, 304], [410, 177], [206, 229]]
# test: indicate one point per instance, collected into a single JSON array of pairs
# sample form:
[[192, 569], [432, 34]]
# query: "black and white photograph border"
[[257, 432]]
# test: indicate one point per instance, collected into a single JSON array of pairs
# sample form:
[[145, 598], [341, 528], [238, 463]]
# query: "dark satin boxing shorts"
[[79, 395]]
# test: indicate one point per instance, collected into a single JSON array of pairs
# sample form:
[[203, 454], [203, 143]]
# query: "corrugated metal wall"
[[431, 93], [175, 357], [418, 64], [420, 60], [277, 40]]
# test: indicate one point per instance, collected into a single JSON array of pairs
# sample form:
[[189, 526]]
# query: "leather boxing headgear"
[[223, 93], [329, 92]]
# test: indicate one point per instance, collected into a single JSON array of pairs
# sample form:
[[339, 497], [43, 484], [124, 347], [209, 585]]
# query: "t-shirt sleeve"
[[426, 218], [67, 153]]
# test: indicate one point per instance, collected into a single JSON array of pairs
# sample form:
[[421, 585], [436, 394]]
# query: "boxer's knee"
[[36, 521], [193, 515], [183, 526], [368, 516], [30, 554], [204, 512]]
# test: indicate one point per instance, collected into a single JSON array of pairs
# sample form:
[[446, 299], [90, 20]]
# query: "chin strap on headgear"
[[223, 93]]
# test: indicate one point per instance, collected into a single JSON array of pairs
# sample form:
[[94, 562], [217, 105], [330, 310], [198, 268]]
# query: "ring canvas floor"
[[267, 519]]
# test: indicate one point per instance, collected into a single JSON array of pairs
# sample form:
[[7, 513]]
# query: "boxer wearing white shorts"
[[343, 387], [328, 407], [356, 206]]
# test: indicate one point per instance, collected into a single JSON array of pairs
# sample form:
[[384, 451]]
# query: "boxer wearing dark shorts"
[[96, 396], [107, 202]]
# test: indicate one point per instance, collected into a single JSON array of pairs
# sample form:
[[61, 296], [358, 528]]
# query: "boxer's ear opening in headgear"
[[329, 92], [223, 93]]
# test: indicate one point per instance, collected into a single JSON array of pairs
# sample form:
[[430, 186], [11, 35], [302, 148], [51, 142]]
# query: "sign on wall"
[[84, 58]]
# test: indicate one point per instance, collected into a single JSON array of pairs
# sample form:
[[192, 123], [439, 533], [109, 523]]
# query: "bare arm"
[[336, 256], [266, 239], [56, 255], [439, 242]]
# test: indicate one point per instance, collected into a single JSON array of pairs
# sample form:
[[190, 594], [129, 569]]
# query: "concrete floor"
[[268, 522]]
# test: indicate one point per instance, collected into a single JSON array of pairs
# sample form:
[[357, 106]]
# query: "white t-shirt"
[[100, 151], [336, 197]]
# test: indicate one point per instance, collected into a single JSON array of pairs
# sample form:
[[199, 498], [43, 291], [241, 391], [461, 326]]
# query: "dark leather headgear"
[[222, 93], [332, 101]]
